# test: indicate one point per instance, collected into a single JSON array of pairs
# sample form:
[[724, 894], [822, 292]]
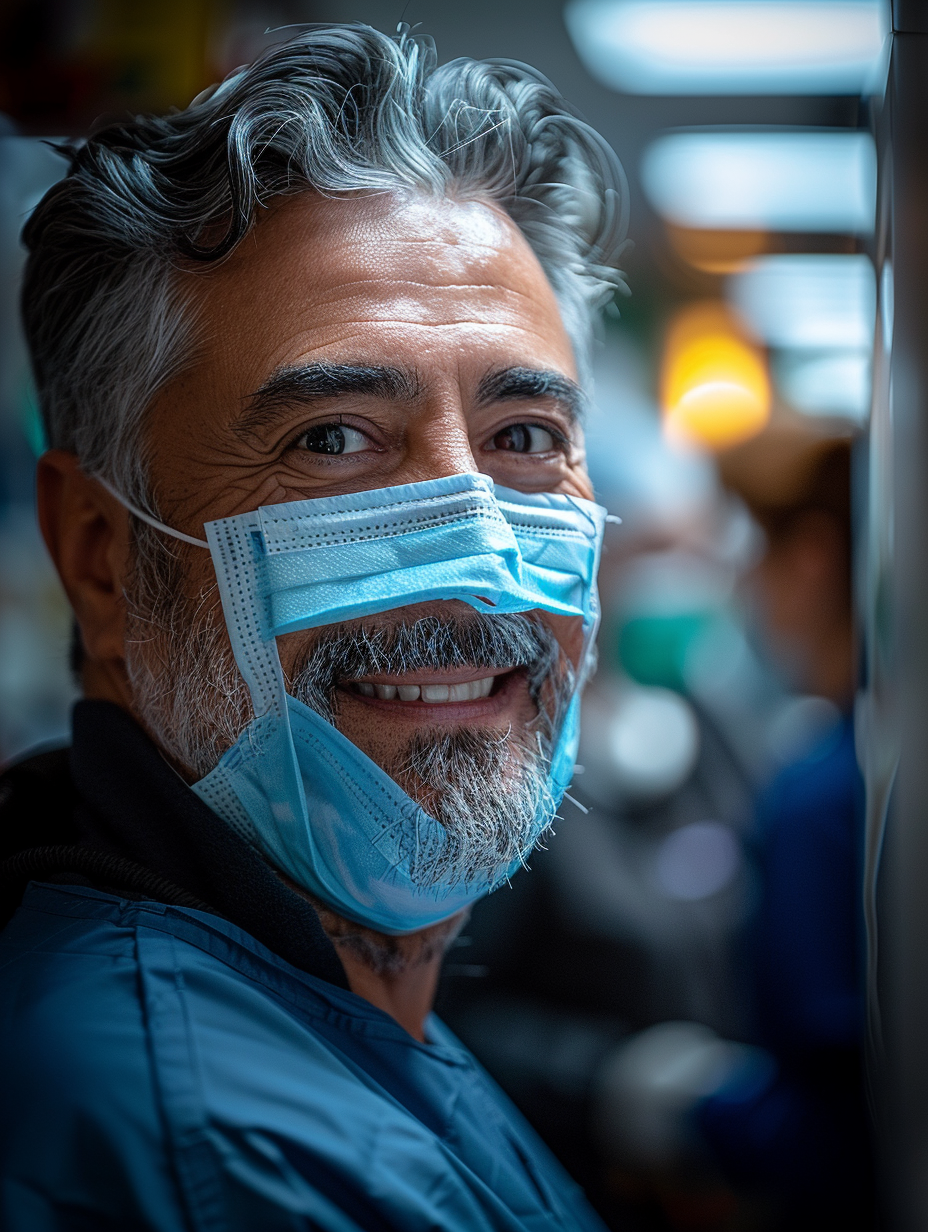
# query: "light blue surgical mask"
[[318, 807]]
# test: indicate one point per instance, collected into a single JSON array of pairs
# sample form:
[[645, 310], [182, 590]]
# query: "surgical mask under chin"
[[318, 807]]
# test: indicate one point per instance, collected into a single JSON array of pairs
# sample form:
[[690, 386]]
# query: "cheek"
[[582, 480], [569, 633], [578, 472], [294, 649]]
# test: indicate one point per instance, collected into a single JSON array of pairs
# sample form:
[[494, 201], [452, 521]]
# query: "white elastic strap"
[[146, 517]]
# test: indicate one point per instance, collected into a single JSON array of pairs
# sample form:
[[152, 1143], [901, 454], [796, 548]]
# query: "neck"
[[406, 995], [397, 974]]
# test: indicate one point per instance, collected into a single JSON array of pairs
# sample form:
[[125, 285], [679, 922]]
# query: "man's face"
[[363, 343]]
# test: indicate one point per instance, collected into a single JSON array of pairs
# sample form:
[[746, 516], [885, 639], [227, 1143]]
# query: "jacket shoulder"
[[80, 1124]]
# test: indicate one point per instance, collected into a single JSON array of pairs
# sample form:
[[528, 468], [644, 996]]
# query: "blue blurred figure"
[[798, 1128]]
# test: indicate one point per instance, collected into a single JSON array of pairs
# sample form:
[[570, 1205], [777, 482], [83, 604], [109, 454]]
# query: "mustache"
[[483, 640]]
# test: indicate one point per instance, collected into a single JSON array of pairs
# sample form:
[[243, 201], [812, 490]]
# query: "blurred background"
[[674, 993]]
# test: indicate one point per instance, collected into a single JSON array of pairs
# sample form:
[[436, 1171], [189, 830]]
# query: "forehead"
[[420, 281]]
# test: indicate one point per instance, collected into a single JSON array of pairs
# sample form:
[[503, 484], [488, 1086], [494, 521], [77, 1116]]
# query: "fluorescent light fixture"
[[730, 46], [785, 180], [804, 302], [828, 384]]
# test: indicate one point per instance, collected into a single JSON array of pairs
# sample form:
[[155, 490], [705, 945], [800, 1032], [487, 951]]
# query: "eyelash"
[[562, 443], [338, 421]]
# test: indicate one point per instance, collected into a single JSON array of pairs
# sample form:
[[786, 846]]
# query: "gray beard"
[[488, 789]]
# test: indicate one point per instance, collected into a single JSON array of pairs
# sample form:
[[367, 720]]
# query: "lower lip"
[[419, 711]]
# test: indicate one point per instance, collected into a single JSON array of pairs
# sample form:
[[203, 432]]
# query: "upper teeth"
[[468, 692]]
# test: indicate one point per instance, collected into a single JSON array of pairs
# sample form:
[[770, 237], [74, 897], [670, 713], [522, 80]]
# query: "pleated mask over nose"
[[294, 786]]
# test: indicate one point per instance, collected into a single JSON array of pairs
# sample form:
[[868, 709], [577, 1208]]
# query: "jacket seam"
[[177, 1080]]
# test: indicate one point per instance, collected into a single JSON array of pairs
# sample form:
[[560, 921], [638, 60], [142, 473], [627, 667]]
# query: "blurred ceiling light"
[[715, 391], [816, 302], [837, 384], [787, 180], [730, 46], [716, 252]]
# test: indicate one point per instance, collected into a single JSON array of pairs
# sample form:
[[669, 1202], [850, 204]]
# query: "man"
[[308, 359]]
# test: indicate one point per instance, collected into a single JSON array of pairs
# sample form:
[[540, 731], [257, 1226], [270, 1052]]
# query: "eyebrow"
[[527, 384], [320, 382]]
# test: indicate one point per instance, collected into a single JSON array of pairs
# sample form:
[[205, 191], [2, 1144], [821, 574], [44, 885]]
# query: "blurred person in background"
[[333, 316], [801, 1131], [782, 1111]]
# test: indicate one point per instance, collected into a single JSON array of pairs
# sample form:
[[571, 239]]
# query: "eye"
[[332, 439], [525, 438]]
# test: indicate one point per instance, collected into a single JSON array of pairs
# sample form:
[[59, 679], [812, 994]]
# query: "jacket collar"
[[131, 801]]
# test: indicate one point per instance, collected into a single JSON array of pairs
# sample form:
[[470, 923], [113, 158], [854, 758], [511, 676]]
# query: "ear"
[[87, 534]]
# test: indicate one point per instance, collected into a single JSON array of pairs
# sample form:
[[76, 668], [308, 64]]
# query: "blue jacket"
[[163, 1070]]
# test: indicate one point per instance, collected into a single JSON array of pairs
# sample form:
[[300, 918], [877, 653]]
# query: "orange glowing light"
[[715, 391], [715, 251]]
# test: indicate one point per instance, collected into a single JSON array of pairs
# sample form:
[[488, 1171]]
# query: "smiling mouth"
[[433, 694], [431, 690]]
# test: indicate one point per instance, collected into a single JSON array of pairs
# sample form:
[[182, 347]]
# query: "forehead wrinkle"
[[404, 322], [505, 313], [429, 295], [442, 282]]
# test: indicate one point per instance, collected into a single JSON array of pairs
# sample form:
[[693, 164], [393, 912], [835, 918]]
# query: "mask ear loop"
[[146, 517]]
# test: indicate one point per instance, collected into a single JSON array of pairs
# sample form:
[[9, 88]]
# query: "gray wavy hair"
[[335, 110]]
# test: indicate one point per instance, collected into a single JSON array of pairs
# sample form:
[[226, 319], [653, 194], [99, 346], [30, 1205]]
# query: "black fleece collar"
[[129, 801]]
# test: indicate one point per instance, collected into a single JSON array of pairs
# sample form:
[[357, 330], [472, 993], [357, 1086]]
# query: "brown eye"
[[524, 438], [333, 439]]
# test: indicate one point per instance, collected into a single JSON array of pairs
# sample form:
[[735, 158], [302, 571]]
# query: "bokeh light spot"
[[715, 389], [653, 741], [697, 860]]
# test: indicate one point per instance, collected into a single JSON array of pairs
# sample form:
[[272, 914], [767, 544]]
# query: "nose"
[[438, 443]]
